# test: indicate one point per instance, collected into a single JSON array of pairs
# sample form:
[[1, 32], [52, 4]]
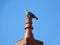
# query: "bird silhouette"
[[30, 14]]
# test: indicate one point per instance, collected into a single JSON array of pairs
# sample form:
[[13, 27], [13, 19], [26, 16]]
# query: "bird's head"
[[26, 11]]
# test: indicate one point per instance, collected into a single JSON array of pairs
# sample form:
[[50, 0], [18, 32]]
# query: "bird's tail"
[[36, 18]]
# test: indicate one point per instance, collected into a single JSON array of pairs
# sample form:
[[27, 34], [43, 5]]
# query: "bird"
[[30, 14]]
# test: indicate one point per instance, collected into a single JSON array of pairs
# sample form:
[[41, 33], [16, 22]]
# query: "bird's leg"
[[29, 15]]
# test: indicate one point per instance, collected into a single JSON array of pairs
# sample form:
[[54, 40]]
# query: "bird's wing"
[[31, 14]]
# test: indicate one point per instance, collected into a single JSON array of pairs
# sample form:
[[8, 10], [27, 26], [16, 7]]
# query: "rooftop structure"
[[29, 38]]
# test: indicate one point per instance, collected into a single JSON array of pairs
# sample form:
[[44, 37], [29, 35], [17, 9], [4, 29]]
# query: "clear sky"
[[12, 20]]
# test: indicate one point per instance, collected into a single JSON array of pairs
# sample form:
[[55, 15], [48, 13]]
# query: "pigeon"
[[30, 14]]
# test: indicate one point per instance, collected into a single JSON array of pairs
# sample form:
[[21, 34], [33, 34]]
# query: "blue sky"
[[12, 20]]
